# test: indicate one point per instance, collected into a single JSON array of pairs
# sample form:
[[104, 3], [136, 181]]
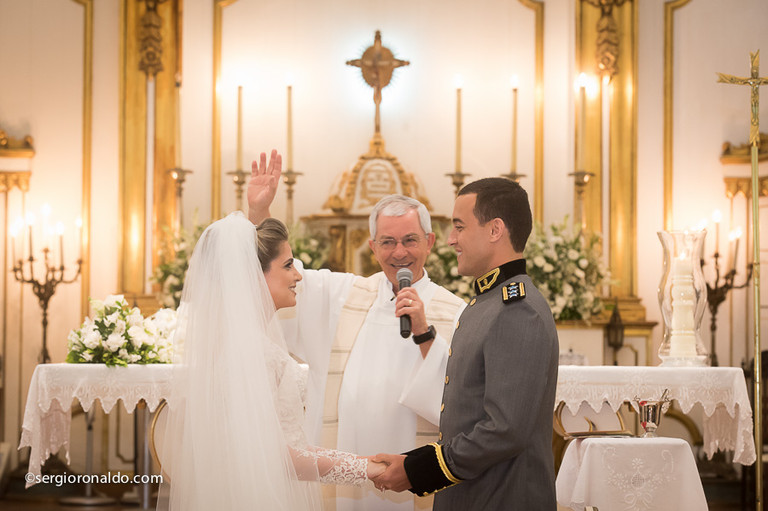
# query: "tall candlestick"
[[239, 127], [458, 129], [177, 131], [60, 232], [13, 244], [514, 125], [79, 225], [717, 217], [582, 121], [289, 145]]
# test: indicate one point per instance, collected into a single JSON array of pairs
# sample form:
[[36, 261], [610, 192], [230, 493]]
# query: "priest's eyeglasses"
[[389, 244]]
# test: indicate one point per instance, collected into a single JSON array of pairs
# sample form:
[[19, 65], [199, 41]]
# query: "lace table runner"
[[721, 391], [47, 414]]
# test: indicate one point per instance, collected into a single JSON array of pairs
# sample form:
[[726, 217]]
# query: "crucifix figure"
[[377, 65], [754, 81]]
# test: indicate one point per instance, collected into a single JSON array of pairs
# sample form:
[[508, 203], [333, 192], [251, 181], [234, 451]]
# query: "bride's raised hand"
[[262, 187]]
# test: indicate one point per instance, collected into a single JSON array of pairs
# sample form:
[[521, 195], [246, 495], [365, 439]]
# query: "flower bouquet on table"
[[566, 267], [119, 335]]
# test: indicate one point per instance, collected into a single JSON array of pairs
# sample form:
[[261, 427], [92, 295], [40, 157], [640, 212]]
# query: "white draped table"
[[53, 387], [721, 391], [630, 474]]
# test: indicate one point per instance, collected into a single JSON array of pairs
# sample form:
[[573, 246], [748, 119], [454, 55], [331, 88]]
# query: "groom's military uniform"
[[495, 443]]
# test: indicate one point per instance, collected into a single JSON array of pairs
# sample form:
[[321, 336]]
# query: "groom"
[[494, 451]]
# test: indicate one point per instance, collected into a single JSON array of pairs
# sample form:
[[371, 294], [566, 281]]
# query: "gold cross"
[[754, 81], [377, 65]]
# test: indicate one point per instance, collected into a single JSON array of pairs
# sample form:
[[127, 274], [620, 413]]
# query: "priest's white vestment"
[[387, 391]]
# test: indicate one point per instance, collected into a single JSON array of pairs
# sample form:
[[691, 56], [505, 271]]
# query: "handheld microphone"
[[404, 277]]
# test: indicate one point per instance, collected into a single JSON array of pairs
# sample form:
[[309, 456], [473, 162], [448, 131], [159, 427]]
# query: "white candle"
[[580, 146], [459, 82], [289, 145], [30, 223], [514, 82], [717, 217], [79, 226], [60, 232], [239, 127], [682, 335], [14, 232], [458, 129]]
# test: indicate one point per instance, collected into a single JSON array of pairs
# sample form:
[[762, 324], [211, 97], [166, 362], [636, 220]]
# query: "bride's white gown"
[[234, 437]]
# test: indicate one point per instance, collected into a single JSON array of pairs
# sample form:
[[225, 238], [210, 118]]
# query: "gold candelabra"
[[289, 178], [179, 176], [582, 178], [239, 177], [44, 289], [457, 179]]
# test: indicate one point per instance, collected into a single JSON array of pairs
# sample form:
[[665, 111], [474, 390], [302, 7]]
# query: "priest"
[[370, 389]]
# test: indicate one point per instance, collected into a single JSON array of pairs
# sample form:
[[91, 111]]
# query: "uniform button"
[[442, 407], [424, 494], [472, 302], [457, 325], [450, 351], [446, 379], [440, 436]]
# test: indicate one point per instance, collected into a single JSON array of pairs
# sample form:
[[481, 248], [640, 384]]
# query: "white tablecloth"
[[630, 474], [722, 392], [53, 387]]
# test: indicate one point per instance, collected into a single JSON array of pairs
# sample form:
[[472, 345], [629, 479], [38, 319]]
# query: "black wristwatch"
[[426, 336]]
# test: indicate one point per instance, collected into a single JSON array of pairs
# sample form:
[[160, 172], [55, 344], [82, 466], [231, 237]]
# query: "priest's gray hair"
[[399, 205]]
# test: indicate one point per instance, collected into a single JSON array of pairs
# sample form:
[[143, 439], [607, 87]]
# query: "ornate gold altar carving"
[[10, 180], [741, 153], [607, 52], [13, 148], [151, 40], [735, 186]]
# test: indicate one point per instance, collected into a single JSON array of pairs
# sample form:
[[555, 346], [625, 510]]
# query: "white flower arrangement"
[[311, 248], [442, 267], [566, 267], [119, 335], [172, 270]]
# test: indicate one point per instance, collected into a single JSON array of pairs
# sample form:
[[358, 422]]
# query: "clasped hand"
[[387, 471]]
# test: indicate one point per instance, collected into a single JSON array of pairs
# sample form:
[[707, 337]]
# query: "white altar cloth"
[[47, 414], [722, 392], [630, 474]]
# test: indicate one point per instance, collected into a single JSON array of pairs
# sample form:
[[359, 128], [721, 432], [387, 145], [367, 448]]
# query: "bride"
[[234, 437]]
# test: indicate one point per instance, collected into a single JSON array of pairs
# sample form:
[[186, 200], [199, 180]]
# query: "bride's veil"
[[224, 446]]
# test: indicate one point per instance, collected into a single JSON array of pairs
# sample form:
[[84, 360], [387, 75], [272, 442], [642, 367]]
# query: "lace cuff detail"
[[346, 469]]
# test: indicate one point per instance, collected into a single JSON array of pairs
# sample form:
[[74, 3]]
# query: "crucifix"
[[377, 65], [754, 81]]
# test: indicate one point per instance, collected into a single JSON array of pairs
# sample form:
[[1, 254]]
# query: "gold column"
[[139, 64], [218, 13], [133, 150], [85, 232], [538, 114], [166, 105], [592, 49], [669, 30]]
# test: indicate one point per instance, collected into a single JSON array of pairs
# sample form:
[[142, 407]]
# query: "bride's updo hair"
[[270, 235]]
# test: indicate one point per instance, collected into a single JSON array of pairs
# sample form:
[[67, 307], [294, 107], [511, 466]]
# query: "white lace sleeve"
[[330, 466]]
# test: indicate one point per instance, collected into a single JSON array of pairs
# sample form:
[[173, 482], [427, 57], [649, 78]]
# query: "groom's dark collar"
[[496, 276]]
